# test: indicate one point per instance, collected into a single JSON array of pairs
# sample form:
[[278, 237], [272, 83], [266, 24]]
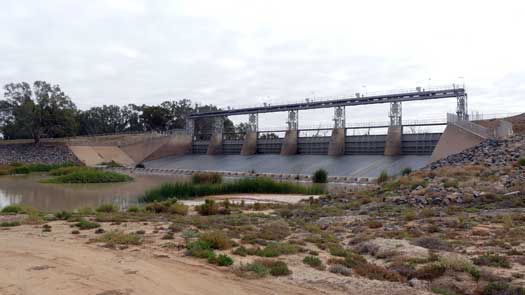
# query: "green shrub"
[[178, 208], [277, 268], [383, 177], [90, 176], [107, 208], [224, 260], [206, 177], [182, 190], [406, 171], [314, 262], [65, 170], [521, 162], [278, 249], [199, 249], [209, 207], [320, 176], [63, 215], [117, 237], [84, 224], [241, 251], [494, 260], [133, 209], [216, 240], [15, 209], [9, 223], [258, 269], [502, 288]]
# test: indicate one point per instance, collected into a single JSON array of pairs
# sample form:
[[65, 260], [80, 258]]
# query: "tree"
[[35, 112], [156, 118]]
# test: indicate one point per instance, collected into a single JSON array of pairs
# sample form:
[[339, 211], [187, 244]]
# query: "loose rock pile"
[[490, 152], [499, 159], [36, 153]]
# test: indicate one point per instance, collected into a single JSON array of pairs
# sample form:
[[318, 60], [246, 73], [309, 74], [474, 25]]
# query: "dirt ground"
[[32, 262]]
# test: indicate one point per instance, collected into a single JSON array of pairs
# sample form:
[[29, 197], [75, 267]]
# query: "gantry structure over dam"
[[216, 141]]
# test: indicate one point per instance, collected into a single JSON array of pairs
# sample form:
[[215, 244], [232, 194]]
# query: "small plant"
[[340, 269], [199, 249], [107, 208], [15, 209], [278, 249], [277, 268], [383, 177], [168, 236], [117, 237], [409, 214], [314, 262], [373, 223], [406, 171], [84, 224], [216, 240], [9, 223], [320, 176], [376, 272], [178, 208], [133, 209], [494, 260], [224, 260], [209, 207], [241, 251], [521, 162], [63, 215], [206, 177], [256, 270]]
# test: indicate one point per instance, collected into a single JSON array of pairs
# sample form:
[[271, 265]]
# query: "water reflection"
[[26, 189]]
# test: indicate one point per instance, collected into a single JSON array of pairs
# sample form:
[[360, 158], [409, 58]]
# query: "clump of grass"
[[320, 176], [409, 214], [216, 240], [13, 209], [494, 260], [383, 177], [254, 270], [221, 260], [521, 162], [314, 262], [65, 170], [278, 249], [199, 249], [63, 215], [90, 176], [9, 223], [37, 167], [84, 224], [376, 272], [169, 206], [247, 185], [117, 237], [107, 208], [206, 177], [277, 268], [406, 171], [340, 269], [502, 288], [210, 207]]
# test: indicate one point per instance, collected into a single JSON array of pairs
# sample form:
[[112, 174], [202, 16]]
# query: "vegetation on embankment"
[[86, 175], [17, 168], [247, 185]]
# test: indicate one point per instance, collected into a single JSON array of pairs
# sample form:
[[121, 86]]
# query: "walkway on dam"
[[352, 165]]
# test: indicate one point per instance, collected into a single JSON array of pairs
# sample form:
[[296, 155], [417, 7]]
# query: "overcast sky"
[[233, 53]]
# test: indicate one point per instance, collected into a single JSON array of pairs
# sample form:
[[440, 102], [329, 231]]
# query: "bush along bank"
[[247, 185], [86, 175]]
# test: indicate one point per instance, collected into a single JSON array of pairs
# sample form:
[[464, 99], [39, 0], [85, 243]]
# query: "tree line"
[[42, 110]]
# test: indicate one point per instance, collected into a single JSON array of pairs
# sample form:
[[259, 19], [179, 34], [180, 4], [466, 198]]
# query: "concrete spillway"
[[352, 165]]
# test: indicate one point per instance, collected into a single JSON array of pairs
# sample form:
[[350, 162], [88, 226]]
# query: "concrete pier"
[[393, 141], [215, 145], [289, 146], [249, 147], [337, 142]]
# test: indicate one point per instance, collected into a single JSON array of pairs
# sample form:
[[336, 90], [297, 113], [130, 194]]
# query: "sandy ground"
[[33, 265], [58, 262]]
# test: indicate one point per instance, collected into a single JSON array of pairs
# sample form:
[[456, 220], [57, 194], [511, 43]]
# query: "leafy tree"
[[35, 112]]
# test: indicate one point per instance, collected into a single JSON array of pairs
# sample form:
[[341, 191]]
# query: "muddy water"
[[26, 189]]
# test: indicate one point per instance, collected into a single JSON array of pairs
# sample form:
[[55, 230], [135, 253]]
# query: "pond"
[[27, 190]]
